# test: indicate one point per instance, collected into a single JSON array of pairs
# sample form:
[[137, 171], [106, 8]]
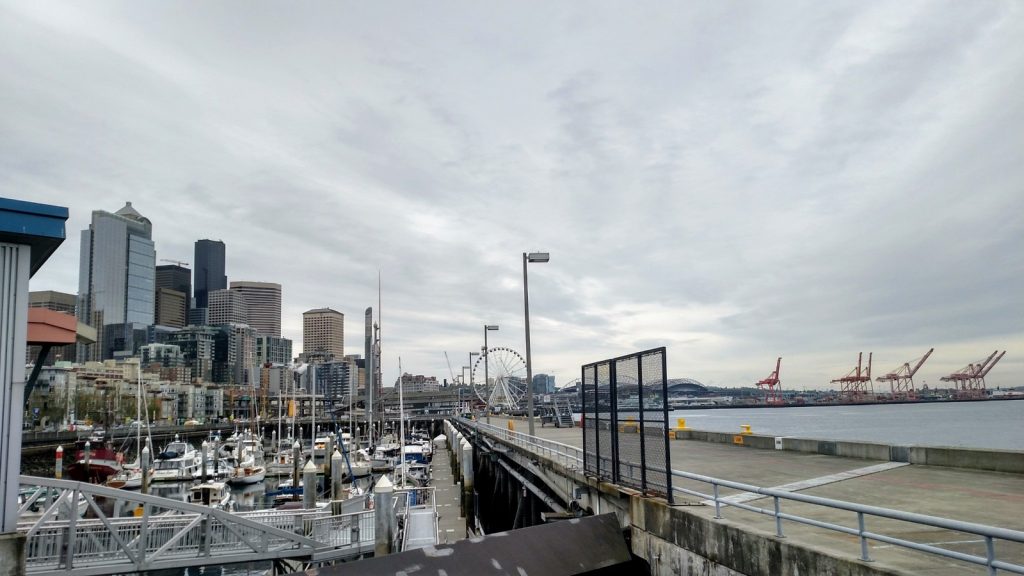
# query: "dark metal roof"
[[40, 226], [589, 545]]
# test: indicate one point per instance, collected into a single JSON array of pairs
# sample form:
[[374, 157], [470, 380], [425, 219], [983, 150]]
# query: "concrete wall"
[[676, 542], [994, 460], [12, 554]]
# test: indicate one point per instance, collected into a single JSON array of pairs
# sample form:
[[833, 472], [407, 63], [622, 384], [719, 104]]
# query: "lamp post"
[[528, 258], [487, 379], [471, 390]]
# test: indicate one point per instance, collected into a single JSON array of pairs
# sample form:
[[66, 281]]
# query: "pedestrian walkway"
[[451, 526]]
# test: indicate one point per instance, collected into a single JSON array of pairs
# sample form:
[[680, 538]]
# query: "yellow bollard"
[[511, 425], [745, 429], [680, 423]]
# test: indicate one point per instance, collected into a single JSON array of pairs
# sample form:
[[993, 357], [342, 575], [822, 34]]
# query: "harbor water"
[[991, 424]]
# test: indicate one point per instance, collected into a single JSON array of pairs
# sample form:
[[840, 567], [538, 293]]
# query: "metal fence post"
[[718, 506], [990, 554], [778, 519], [863, 540]]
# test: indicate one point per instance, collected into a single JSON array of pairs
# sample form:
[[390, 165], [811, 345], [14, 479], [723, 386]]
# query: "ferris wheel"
[[504, 384]]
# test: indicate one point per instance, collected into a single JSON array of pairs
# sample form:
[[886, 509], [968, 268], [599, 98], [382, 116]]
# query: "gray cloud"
[[732, 181]]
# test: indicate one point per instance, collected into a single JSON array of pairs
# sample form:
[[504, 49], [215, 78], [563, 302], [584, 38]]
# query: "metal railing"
[[564, 454], [74, 528]]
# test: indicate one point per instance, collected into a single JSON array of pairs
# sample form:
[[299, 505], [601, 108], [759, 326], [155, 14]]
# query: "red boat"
[[104, 461]]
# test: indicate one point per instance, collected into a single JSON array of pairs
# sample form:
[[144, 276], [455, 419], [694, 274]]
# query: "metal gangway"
[[80, 529]]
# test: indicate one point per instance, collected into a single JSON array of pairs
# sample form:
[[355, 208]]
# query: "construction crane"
[[901, 380], [969, 381], [178, 262], [856, 386], [772, 386], [450, 371]]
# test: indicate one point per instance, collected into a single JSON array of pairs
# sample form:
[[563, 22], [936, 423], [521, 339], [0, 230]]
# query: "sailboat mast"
[[401, 423]]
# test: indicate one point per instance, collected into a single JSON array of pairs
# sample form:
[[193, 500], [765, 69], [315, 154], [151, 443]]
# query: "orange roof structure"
[[56, 328]]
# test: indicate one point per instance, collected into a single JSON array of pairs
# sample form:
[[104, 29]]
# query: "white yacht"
[[178, 462]]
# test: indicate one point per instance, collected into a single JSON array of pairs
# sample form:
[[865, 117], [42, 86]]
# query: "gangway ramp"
[[121, 531]]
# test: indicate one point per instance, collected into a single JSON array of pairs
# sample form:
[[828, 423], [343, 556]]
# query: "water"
[[993, 424]]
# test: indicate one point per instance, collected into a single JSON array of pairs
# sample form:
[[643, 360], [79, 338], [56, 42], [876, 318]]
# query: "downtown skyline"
[[702, 182]]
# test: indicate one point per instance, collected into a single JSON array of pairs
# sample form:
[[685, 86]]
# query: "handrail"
[[989, 533], [166, 533]]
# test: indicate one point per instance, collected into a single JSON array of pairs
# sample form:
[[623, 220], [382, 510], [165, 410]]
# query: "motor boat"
[[177, 462], [214, 494], [102, 462]]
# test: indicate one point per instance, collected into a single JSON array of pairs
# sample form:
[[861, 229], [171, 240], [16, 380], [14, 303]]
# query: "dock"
[[959, 493]]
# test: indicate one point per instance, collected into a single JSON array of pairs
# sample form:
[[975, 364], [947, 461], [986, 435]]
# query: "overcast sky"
[[734, 181]]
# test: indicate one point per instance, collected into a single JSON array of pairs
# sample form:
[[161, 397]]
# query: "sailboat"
[[130, 476], [251, 468]]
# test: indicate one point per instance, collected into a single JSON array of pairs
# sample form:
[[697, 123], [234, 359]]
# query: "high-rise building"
[[58, 302], [323, 333], [116, 279], [170, 308], [263, 300], [335, 380], [543, 383], [175, 277], [202, 347], [227, 307], [273, 350], [209, 270]]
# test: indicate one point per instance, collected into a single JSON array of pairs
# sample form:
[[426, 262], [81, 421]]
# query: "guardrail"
[[564, 454], [79, 529]]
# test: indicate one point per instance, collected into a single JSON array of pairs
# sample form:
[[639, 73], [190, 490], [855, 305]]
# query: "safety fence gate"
[[625, 421]]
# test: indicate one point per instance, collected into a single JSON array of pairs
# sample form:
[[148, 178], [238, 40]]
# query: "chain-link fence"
[[625, 421]]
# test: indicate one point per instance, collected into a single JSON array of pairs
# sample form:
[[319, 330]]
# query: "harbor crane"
[[901, 380], [856, 386], [969, 381], [772, 386], [178, 262]]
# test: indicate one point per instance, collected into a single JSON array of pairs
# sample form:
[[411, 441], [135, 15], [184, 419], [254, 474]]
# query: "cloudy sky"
[[735, 181]]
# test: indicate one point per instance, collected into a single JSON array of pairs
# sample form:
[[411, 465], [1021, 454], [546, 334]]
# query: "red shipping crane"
[[901, 380], [772, 386], [969, 381], [856, 386]]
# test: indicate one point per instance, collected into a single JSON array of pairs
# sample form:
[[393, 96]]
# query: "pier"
[[743, 506]]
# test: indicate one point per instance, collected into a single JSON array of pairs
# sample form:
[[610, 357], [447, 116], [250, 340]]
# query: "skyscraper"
[[263, 299], [179, 279], [323, 333], [170, 308], [209, 270], [116, 279], [227, 307]]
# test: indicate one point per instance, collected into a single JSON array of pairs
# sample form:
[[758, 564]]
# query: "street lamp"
[[539, 257], [471, 391], [487, 379]]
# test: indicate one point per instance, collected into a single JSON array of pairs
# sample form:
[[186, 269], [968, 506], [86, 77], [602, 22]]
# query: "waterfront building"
[[543, 383], [58, 302], [418, 383], [263, 302], [227, 307], [209, 270], [323, 333], [272, 349], [116, 281]]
